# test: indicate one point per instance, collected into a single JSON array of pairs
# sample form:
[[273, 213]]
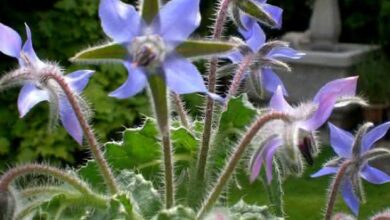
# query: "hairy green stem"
[[30, 192], [236, 156], [9, 176], [160, 100], [334, 189], [235, 85], [181, 110], [91, 138], [212, 81]]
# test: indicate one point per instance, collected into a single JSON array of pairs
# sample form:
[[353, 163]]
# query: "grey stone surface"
[[317, 68]]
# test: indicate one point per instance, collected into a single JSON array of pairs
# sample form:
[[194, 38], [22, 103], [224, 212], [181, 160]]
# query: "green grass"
[[305, 197]]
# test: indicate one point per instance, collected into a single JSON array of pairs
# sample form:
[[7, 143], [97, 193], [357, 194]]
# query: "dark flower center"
[[147, 50]]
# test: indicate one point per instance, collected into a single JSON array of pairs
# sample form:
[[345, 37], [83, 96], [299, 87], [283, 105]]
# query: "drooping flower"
[[152, 45], [264, 55], [359, 150], [292, 141], [31, 75]]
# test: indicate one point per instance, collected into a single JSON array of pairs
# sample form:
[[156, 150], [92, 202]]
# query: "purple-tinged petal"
[[374, 175], [28, 50], [326, 98], [69, 120], [285, 52], [349, 196], [176, 21], [325, 171], [29, 96], [374, 135], [271, 81], [265, 155], [10, 42], [182, 76], [78, 80], [256, 166], [269, 152], [275, 12], [253, 35], [119, 20], [278, 102], [341, 141], [134, 84], [339, 87]]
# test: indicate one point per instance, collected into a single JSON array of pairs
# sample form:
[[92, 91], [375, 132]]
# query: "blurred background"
[[63, 27]]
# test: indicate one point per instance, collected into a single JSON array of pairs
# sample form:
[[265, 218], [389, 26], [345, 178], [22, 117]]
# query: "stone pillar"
[[325, 23]]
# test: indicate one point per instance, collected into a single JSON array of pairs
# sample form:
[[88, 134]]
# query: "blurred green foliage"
[[63, 27]]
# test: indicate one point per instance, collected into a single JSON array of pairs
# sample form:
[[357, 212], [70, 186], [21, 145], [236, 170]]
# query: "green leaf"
[[244, 211], [149, 9], [233, 122], [140, 150], [111, 52], [146, 197], [254, 10], [202, 48], [176, 213]]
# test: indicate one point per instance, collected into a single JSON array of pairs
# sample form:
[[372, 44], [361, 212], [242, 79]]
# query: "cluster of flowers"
[[151, 45]]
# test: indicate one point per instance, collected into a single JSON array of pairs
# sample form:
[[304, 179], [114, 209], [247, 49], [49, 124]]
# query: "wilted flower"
[[359, 151], [151, 45], [297, 138], [32, 74]]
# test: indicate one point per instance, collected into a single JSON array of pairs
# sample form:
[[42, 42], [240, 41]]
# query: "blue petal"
[[326, 99], [285, 52], [29, 50], [261, 1], [374, 135], [119, 20], [341, 141], [325, 171], [235, 56], [349, 196], [10, 42], [182, 76], [69, 120], [374, 175], [278, 102], [253, 35], [275, 12], [176, 21], [271, 81], [134, 84], [78, 80], [29, 96]]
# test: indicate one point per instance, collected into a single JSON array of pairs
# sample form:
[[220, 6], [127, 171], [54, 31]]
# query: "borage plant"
[[198, 157]]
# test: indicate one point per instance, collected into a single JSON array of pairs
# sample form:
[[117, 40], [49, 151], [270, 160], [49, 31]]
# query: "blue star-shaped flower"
[[256, 41], [152, 44], [30, 74], [342, 143]]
